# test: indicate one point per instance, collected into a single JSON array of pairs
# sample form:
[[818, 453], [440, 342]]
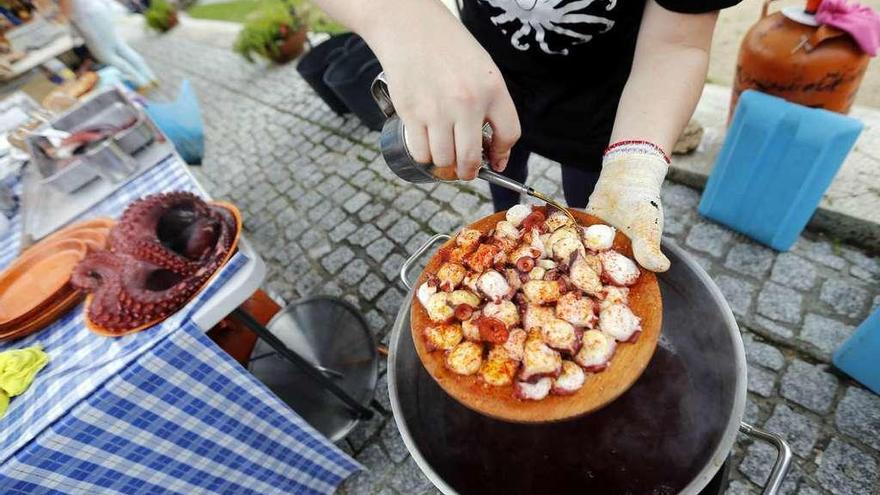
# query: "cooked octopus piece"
[[450, 275], [438, 308], [539, 360], [465, 358], [483, 258], [499, 368], [506, 230], [444, 336], [584, 277], [504, 310], [556, 220], [570, 380], [462, 296], [620, 322], [538, 243], [613, 294], [541, 291], [564, 242], [537, 273], [515, 345], [494, 285], [468, 239], [536, 317], [599, 237], [576, 309], [469, 327], [517, 214], [534, 391], [561, 335], [617, 269], [596, 351], [424, 293]]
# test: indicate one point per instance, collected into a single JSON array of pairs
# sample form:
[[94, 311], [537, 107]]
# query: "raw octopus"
[[161, 252]]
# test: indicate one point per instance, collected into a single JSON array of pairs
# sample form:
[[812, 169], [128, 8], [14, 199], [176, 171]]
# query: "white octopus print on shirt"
[[538, 17]]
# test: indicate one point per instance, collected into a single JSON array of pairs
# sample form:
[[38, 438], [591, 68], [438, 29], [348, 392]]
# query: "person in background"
[[94, 20], [605, 87]]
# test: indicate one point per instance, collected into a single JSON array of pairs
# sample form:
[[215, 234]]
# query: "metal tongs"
[[398, 158]]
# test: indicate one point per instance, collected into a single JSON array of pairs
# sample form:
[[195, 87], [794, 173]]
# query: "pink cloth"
[[861, 22]]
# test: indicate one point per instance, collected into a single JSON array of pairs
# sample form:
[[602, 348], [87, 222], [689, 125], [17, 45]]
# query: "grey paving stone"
[[409, 199], [844, 297], [749, 258], [761, 381], [763, 354], [858, 415], [353, 272], [799, 429], [739, 487], [824, 333], [371, 211], [371, 286], [709, 238], [356, 202], [771, 328], [677, 196], [862, 274], [444, 193], [370, 481], [423, 211], [752, 413], [388, 217], [738, 292], [780, 303], [809, 386], [394, 443], [408, 478], [820, 251], [342, 231], [843, 469], [403, 229], [337, 259], [391, 267], [382, 396], [389, 302], [793, 271], [444, 222], [380, 249], [377, 323], [675, 224], [366, 234], [465, 204], [859, 258], [333, 218], [310, 237]]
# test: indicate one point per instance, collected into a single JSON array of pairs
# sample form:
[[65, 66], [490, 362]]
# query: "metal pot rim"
[[711, 466]]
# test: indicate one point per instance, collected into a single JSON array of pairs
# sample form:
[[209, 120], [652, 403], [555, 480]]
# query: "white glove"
[[627, 196]]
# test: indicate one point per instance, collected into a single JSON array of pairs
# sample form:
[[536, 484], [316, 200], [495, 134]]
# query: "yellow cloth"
[[17, 370]]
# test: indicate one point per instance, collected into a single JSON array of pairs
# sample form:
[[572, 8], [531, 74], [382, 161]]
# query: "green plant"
[[265, 30], [160, 14]]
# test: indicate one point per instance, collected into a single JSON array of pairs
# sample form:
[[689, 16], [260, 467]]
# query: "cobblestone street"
[[329, 218]]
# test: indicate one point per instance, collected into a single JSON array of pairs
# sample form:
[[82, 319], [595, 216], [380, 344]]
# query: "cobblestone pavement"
[[329, 218]]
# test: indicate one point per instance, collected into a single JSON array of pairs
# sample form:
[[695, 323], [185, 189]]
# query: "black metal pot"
[[314, 64], [350, 77], [670, 433]]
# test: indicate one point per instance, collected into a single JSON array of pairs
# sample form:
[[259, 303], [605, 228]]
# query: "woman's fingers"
[[468, 145], [416, 140], [505, 130], [442, 144]]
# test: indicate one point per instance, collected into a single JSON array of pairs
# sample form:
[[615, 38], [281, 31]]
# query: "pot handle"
[[404, 268], [783, 456]]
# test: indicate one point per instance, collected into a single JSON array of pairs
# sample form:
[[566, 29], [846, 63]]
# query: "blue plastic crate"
[[776, 163], [859, 356]]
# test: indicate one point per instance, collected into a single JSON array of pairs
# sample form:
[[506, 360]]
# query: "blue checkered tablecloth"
[[161, 411]]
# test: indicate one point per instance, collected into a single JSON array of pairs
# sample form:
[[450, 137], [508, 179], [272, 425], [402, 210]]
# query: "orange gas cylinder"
[[816, 66]]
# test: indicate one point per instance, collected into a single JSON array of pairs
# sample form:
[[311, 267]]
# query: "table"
[[161, 411]]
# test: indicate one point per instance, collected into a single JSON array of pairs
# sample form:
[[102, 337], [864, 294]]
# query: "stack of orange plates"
[[35, 289]]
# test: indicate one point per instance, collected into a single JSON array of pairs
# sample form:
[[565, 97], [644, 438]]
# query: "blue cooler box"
[[776, 163]]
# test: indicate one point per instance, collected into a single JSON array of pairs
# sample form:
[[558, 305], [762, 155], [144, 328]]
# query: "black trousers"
[[578, 180]]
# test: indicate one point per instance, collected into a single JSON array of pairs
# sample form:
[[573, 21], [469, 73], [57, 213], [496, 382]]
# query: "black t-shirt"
[[565, 63]]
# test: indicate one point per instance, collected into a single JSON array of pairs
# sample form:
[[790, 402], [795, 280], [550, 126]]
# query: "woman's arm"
[[668, 73], [442, 82]]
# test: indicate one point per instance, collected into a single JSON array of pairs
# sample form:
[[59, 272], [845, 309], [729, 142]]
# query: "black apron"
[[565, 63]]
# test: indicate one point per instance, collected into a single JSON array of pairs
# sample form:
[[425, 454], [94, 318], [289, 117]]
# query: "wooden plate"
[[61, 305], [37, 276], [628, 363], [111, 333]]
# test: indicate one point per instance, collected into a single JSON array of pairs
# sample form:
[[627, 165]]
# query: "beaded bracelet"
[[638, 146]]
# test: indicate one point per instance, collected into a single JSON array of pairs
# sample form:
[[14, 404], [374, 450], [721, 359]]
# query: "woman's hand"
[[443, 84]]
